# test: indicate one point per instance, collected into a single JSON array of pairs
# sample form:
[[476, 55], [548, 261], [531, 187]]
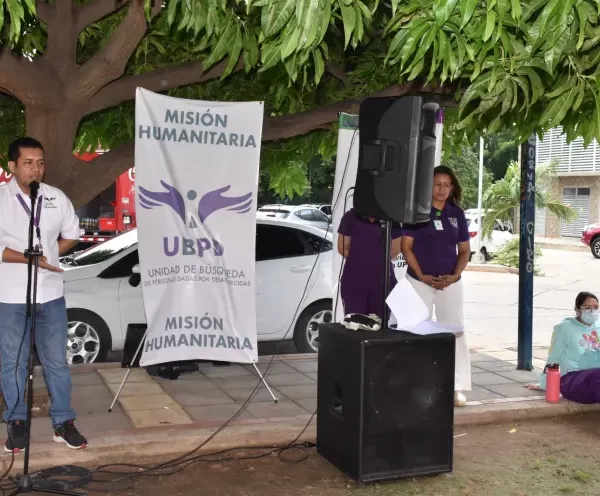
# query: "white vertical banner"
[[439, 135], [196, 167]]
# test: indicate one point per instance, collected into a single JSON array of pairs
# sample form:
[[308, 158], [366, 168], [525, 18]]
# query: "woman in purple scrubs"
[[360, 242], [436, 254]]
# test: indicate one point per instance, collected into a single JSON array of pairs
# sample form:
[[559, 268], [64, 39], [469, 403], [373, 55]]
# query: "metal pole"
[[526, 255], [480, 198]]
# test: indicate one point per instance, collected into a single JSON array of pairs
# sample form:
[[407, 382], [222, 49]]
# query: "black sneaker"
[[16, 436], [67, 433]]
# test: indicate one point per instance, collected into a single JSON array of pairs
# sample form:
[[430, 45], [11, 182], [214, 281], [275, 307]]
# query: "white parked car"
[[104, 294], [501, 235], [302, 214]]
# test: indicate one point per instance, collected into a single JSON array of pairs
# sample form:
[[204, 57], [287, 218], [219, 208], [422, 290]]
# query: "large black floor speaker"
[[385, 407]]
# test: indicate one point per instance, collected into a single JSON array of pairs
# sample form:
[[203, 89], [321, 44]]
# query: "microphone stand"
[[27, 483]]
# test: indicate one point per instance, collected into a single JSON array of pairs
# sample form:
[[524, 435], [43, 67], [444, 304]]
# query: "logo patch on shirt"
[[453, 222], [50, 202]]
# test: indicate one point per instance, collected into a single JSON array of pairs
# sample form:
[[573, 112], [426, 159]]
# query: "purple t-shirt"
[[436, 248], [364, 265]]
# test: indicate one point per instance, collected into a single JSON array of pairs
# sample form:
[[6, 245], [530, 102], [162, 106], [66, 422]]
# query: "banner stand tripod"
[[137, 352]]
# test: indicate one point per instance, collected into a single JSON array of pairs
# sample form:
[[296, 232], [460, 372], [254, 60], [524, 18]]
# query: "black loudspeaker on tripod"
[[396, 159], [385, 406]]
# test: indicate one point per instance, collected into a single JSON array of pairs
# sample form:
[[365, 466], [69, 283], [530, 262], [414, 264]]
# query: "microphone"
[[34, 186]]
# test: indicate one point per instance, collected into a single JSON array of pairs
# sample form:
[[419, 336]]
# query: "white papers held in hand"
[[409, 312]]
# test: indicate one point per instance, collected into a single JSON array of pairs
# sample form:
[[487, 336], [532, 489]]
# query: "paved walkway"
[[169, 416]]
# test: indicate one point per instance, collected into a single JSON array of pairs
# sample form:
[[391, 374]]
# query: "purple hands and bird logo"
[[209, 203]]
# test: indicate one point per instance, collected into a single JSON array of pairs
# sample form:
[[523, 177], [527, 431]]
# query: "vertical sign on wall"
[[526, 254]]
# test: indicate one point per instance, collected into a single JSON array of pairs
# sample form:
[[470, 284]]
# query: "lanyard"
[[38, 214]]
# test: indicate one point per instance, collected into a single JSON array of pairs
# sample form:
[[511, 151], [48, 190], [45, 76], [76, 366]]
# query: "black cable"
[[85, 476]]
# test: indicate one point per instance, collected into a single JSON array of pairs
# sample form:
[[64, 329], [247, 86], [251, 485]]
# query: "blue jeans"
[[51, 345]]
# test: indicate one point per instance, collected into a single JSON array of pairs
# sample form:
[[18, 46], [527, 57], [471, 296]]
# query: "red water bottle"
[[552, 371]]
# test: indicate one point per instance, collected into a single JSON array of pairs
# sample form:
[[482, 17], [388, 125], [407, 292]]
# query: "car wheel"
[[306, 333], [595, 247], [88, 338]]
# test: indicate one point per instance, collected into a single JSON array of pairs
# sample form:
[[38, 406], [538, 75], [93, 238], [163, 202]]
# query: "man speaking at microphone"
[[56, 230]]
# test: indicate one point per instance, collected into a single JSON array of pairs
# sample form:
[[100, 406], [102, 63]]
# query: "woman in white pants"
[[436, 254]]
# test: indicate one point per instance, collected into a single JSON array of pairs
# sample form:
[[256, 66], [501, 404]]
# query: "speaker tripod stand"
[[134, 358], [387, 241], [27, 483]]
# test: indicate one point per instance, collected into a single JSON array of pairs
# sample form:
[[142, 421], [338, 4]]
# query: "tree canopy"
[[69, 69]]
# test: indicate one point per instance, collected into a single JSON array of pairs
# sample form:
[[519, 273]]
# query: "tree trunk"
[[56, 130]]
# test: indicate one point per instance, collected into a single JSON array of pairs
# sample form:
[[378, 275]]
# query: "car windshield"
[[103, 251]]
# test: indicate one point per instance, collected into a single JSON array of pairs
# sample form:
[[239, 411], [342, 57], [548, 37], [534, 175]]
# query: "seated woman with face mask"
[[575, 347]]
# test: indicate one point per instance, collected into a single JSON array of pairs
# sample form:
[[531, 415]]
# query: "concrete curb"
[[491, 268], [174, 441], [563, 247]]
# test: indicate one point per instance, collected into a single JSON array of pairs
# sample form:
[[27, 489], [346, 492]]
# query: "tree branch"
[[288, 126], [94, 11], [110, 62], [163, 79], [43, 11], [92, 178], [337, 71], [27, 81]]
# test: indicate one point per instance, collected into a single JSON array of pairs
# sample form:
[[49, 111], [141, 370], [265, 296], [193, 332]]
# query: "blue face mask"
[[589, 317]]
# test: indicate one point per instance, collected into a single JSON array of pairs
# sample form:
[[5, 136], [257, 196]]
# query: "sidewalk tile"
[[93, 392], [195, 387], [202, 398], [241, 395], [154, 418], [496, 366], [480, 357], [150, 402], [309, 404], [230, 383], [306, 366], [524, 376], [489, 378], [91, 379], [116, 376], [301, 392], [270, 410], [313, 375], [289, 380], [89, 424], [137, 388], [512, 390], [479, 393], [222, 372], [477, 370], [274, 368], [503, 354], [216, 413], [93, 406]]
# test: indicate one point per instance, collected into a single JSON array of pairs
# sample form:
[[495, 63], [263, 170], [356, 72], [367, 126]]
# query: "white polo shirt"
[[57, 219]]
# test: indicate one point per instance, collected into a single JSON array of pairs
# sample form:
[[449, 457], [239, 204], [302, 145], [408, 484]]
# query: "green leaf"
[[443, 9], [423, 48], [290, 44], [396, 42], [319, 65], [171, 11], [470, 6], [278, 14], [490, 24], [221, 48], [558, 108], [415, 35], [537, 87], [516, 9], [582, 14], [234, 53], [349, 19], [306, 23], [524, 85], [416, 70], [579, 100], [324, 24], [394, 6], [271, 54], [553, 55]]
